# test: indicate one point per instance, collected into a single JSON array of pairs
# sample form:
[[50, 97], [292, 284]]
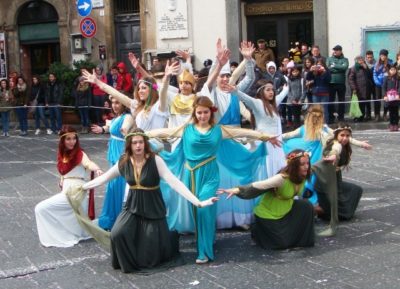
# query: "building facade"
[[35, 33]]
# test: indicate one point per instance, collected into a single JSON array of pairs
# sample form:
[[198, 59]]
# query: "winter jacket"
[[83, 95], [54, 93], [380, 72], [320, 83], [39, 91], [390, 83], [21, 95], [338, 67], [6, 100], [360, 82], [124, 80], [296, 90]]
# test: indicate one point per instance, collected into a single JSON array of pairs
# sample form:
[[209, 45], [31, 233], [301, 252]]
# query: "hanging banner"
[[3, 59]]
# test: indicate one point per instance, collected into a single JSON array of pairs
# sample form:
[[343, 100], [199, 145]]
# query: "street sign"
[[84, 7], [88, 27]]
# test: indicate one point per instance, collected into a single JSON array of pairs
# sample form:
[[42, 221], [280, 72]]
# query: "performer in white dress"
[[56, 223]]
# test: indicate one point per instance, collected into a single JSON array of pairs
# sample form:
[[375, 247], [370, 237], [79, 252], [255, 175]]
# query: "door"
[[127, 37], [280, 30], [42, 55]]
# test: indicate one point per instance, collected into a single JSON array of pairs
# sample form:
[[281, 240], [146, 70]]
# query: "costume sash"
[[178, 106], [232, 114]]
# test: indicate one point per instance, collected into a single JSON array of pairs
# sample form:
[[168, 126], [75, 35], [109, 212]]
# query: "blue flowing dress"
[[238, 166], [201, 175], [115, 189]]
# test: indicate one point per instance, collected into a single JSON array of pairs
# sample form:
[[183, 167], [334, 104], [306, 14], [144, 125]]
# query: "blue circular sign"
[[88, 27], [84, 7]]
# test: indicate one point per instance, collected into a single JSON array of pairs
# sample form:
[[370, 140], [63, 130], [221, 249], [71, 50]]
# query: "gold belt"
[[140, 187], [191, 170], [76, 178]]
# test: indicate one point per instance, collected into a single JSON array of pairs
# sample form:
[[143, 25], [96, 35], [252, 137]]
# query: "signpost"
[[84, 7], [88, 27]]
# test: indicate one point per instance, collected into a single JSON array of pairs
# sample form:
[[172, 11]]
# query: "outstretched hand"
[[331, 158], [226, 87], [209, 202], [133, 59], [365, 145], [89, 77], [184, 54], [247, 49], [230, 192], [275, 141], [172, 69]]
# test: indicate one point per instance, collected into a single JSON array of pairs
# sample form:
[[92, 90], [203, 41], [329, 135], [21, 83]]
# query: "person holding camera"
[[319, 79]]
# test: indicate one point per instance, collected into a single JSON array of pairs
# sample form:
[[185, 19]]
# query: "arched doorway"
[[38, 37]]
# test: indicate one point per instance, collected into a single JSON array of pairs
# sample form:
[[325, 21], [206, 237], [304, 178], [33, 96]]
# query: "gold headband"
[[292, 156], [317, 114], [67, 133], [136, 134], [347, 127]]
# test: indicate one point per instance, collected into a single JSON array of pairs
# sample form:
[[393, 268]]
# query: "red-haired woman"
[[56, 223]]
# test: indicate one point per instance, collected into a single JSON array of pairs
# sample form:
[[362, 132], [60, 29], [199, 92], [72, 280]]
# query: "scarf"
[[65, 166], [179, 106]]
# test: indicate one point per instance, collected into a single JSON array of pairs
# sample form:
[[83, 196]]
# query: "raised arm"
[[281, 96], [135, 63], [247, 49], [122, 98], [223, 56], [238, 72], [185, 55], [169, 71], [178, 186], [112, 173]]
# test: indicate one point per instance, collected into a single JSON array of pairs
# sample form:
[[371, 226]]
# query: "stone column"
[[233, 28], [321, 25]]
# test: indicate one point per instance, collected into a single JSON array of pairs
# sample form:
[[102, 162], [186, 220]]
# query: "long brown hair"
[[269, 106], [293, 165], [128, 146], [153, 93], [206, 102], [314, 122], [345, 155]]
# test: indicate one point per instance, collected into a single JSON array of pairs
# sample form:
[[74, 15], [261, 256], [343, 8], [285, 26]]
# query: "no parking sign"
[[88, 27]]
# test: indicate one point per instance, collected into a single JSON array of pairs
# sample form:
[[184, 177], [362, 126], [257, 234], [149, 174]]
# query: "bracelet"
[[103, 130]]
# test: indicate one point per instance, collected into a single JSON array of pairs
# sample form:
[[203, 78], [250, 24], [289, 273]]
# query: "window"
[[126, 6], [37, 12]]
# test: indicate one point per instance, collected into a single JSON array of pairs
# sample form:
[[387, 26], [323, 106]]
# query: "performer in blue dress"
[[115, 190], [200, 142]]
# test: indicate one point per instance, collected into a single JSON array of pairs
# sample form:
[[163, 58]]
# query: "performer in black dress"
[[140, 238]]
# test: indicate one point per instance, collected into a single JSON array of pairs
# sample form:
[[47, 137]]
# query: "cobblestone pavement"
[[364, 254]]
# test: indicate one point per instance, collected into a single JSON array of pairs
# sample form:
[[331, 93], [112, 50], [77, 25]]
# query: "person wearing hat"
[[381, 69], [337, 65], [231, 213], [263, 54]]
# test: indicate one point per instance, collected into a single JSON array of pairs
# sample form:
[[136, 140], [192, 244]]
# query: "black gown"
[[348, 194], [140, 239]]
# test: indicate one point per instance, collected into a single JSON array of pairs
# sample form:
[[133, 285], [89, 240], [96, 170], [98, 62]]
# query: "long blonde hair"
[[314, 122]]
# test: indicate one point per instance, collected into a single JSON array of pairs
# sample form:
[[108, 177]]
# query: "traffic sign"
[[88, 27], [84, 7]]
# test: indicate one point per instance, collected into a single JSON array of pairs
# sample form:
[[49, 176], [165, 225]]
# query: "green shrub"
[[66, 75]]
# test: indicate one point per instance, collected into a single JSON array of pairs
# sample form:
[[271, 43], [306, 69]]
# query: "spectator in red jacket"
[[98, 97], [124, 80]]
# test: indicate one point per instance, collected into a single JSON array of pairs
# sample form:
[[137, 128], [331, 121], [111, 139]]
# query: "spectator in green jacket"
[[337, 65]]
